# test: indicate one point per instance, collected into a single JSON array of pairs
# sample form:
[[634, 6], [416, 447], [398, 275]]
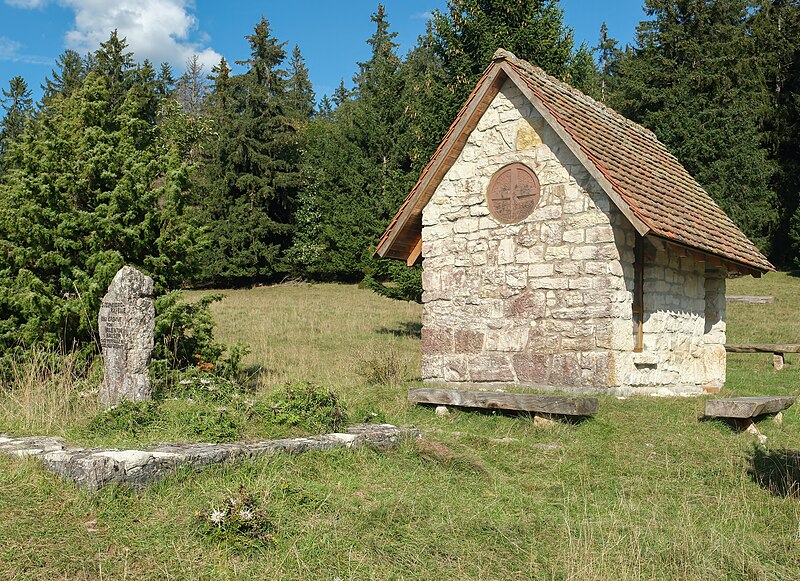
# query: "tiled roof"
[[658, 191]]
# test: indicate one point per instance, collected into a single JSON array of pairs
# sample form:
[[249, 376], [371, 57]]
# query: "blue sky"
[[332, 34]]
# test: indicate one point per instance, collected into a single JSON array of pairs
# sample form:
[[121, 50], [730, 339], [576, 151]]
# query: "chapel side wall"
[[680, 354], [546, 301]]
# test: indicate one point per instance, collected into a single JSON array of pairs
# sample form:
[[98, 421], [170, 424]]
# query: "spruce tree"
[[693, 79], [251, 175], [18, 107]]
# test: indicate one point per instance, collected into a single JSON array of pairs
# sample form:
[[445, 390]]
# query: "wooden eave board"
[[401, 236]]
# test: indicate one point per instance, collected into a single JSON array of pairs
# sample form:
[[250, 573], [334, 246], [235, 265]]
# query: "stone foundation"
[[93, 468], [547, 302]]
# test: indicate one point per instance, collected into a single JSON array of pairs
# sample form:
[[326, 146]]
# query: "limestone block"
[[531, 368], [490, 368], [557, 253], [455, 369], [551, 233], [505, 253], [507, 339], [126, 323], [577, 236]]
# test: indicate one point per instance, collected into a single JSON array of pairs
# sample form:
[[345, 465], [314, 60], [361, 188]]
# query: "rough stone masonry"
[[126, 321], [547, 301]]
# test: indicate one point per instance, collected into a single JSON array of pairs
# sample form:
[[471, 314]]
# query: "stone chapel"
[[563, 247]]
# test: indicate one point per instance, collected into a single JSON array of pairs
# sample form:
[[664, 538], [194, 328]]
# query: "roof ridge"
[[503, 54]]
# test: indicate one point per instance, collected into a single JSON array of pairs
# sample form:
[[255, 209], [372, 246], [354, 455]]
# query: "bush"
[[127, 416], [184, 337], [217, 425], [303, 405]]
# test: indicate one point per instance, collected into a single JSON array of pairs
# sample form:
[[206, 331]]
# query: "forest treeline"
[[242, 174]]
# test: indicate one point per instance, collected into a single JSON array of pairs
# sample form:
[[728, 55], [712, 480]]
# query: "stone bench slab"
[[535, 403], [93, 468], [746, 407]]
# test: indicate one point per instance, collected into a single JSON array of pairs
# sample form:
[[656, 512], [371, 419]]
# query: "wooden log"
[[762, 348], [750, 300], [526, 402], [746, 407]]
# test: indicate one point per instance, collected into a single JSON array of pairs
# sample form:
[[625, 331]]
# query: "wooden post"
[[638, 294]]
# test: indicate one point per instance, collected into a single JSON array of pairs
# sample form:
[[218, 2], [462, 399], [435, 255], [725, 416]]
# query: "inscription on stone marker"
[[112, 315], [513, 193]]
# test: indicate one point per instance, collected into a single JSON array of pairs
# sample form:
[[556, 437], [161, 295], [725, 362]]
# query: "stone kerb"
[[126, 322], [93, 468]]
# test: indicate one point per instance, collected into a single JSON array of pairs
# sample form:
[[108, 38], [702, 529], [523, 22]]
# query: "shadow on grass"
[[407, 329], [776, 470], [564, 419]]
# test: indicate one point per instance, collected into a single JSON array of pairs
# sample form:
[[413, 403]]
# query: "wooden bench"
[[556, 405], [750, 300], [776, 349], [747, 407], [741, 412]]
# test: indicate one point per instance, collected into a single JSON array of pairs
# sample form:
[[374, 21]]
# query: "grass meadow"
[[642, 491]]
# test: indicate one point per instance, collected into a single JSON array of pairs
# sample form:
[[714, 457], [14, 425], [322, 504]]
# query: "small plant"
[[384, 367], [305, 406], [127, 416], [217, 425], [239, 523], [201, 385]]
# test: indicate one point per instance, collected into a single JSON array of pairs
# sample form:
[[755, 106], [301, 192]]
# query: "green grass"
[[643, 491]]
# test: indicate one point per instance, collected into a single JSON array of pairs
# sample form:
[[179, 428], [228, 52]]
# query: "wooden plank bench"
[[776, 349], [741, 412], [750, 300], [747, 407], [557, 405]]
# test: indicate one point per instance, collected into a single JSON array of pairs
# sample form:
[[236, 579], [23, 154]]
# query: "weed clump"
[[239, 523], [384, 367], [217, 425], [303, 405], [131, 417]]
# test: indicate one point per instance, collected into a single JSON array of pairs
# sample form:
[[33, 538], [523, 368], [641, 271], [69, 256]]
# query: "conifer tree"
[[90, 186], [693, 79], [192, 86], [252, 172], [66, 77], [300, 93], [18, 107]]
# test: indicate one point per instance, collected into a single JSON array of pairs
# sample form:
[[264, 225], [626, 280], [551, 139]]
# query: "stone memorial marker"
[[126, 320]]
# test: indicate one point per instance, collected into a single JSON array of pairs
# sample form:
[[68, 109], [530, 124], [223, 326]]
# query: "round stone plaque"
[[513, 193]]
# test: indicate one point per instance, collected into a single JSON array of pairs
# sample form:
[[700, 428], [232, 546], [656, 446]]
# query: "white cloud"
[[9, 51], [159, 30], [26, 3]]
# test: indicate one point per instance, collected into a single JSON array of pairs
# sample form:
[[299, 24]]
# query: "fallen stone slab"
[[746, 407], [93, 468]]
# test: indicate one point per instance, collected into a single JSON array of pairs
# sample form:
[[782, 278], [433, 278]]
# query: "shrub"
[[239, 523], [213, 425], [127, 416], [303, 405]]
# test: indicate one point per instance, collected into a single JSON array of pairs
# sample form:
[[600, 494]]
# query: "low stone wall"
[[93, 468]]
